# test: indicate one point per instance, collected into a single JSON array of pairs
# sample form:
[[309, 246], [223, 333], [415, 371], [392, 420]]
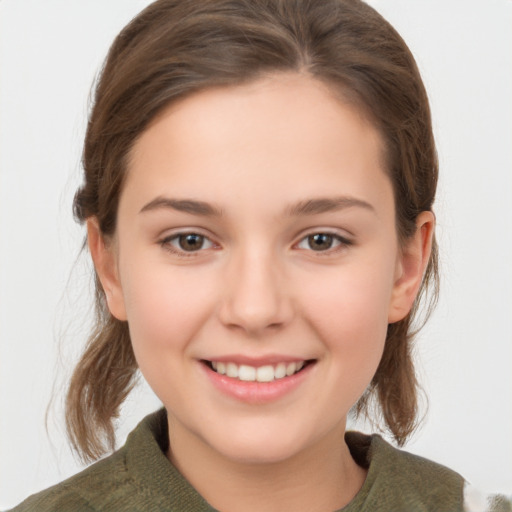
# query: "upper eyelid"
[[169, 234], [170, 238], [345, 235], [344, 238], [165, 243], [339, 238], [343, 243]]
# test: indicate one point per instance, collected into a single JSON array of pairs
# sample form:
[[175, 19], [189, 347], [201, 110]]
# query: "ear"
[[105, 261], [411, 264]]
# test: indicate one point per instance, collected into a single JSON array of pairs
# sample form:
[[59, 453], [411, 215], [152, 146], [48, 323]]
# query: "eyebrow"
[[301, 208], [183, 205], [327, 204]]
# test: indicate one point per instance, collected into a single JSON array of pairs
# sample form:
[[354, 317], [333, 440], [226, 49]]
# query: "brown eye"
[[187, 243], [191, 242], [323, 242], [320, 241]]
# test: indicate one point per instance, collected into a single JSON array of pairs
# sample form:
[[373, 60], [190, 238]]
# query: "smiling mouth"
[[266, 373]]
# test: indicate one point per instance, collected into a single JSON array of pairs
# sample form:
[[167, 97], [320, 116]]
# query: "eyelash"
[[340, 241], [167, 243]]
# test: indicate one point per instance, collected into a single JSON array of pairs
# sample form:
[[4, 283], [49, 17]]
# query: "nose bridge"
[[255, 294]]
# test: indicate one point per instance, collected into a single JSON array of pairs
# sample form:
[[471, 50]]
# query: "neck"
[[321, 477]]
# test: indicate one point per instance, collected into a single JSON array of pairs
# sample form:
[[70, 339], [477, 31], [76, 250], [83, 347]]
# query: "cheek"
[[353, 296], [350, 313], [165, 308]]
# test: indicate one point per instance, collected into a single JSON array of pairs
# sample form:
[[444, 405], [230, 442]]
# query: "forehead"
[[282, 135]]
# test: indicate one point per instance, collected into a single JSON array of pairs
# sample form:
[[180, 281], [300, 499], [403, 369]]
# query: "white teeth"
[[247, 373], [290, 369], [280, 371], [266, 373], [232, 370]]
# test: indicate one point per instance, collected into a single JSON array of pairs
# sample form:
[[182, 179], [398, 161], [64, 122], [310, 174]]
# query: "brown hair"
[[176, 47]]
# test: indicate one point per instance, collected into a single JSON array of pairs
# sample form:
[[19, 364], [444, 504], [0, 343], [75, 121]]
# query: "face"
[[256, 262]]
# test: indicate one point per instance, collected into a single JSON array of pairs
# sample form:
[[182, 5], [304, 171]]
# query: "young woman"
[[258, 187]]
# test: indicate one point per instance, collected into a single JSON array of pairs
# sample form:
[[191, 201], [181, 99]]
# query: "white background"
[[50, 51]]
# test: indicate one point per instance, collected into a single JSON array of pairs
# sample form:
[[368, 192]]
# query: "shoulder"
[[401, 481], [113, 483], [79, 493], [477, 501], [137, 477]]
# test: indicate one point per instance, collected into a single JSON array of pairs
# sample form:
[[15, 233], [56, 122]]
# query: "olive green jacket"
[[139, 477]]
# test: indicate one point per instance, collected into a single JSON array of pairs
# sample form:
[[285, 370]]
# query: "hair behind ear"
[[394, 387], [108, 363], [393, 392]]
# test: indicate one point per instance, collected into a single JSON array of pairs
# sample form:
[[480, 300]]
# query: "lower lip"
[[257, 392]]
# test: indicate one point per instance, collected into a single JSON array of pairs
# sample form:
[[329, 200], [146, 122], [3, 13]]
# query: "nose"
[[256, 297]]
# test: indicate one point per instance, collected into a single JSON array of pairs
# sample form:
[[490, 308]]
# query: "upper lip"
[[272, 359]]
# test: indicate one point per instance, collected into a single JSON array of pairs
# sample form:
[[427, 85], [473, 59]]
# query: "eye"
[[322, 242], [187, 242]]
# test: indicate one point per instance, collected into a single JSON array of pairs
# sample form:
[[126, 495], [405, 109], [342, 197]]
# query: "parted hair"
[[174, 48]]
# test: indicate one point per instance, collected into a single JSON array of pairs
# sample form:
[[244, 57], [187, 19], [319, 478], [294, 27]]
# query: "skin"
[[254, 286]]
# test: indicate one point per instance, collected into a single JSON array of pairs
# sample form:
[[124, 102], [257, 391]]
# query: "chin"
[[259, 446], [258, 455]]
